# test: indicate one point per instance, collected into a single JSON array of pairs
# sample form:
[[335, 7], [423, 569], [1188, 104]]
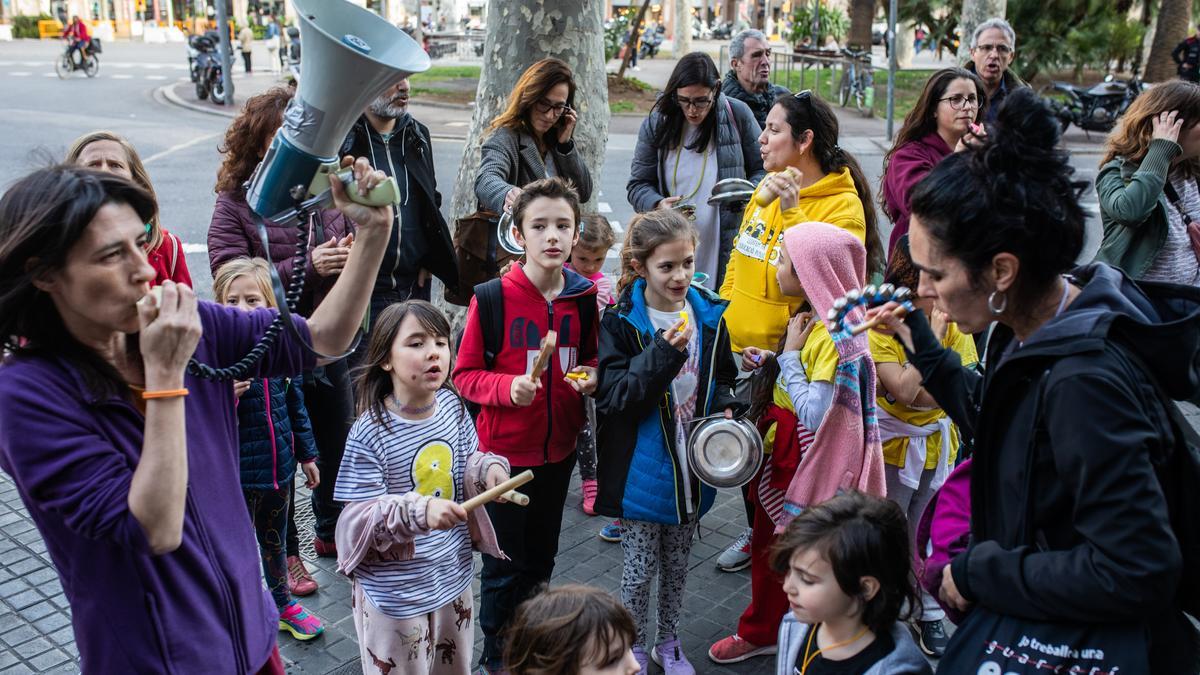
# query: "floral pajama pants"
[[654, 549]]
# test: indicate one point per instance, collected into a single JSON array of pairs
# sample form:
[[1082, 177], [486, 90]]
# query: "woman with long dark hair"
[[126, 462], [694, 137], [533, 139], [949, 105], [1071, 538]]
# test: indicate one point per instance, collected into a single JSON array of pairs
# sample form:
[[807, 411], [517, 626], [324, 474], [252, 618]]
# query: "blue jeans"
[[528, 535]]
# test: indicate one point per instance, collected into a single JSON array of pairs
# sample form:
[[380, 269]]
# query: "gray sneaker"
[[737, 556]]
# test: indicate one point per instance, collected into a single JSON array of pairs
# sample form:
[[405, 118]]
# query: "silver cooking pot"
[[731, 192], [724, 453]]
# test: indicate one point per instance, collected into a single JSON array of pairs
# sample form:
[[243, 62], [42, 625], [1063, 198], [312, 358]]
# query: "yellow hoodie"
[[758, 312]]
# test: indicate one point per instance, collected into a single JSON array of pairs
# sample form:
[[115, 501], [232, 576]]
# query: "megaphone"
[[351, 55]]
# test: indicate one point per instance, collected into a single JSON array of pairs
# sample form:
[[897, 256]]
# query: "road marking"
[[49, 74], [121, 76], [457, 124], [603, 207], [21, 73], [195, 248], [181, 146], [156, 77]]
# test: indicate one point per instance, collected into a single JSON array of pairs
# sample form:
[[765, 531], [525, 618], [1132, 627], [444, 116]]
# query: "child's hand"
[[523, 390], [949, 592], [890, 324], [798, 330], [312, 475], [585, 379], [753, 358], [240, 387], [495, 476], [679, 335], [443, 514]]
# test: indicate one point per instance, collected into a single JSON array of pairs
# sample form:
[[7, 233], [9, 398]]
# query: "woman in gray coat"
[[674, 163], [532, 140]]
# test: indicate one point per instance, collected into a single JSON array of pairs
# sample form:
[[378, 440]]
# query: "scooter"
[[651, 42], [1094, 108], [210, 79]]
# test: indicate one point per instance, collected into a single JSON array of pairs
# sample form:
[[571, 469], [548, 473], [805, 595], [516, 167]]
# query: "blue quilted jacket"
[[638, 471], [272, 438]]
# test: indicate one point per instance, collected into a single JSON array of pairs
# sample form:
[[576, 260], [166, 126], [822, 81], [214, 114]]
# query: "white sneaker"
[[737, 556]]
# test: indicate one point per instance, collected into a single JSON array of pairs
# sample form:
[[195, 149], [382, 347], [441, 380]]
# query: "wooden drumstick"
[[517, 498], [543, 357], [492, 494], [899, 313]]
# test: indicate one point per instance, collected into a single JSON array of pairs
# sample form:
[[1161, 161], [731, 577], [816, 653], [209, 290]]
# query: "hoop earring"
[[991, 303]]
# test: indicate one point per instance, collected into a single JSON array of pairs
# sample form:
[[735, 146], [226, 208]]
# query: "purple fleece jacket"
[[907, 166], [199, 609]]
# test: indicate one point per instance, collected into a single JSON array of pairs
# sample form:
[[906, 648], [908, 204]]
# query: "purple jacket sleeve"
[[227, 238], [65, 465], [235, 332], [906, 168]]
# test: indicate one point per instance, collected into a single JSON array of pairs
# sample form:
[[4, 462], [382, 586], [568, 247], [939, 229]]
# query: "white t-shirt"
[[684, 385], [696, 172], [427, 456]]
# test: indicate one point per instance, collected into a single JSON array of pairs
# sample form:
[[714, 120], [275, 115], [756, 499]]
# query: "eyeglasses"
[[1001, 49], [543, 106], [700, 103], [959, 101], [805, 95]]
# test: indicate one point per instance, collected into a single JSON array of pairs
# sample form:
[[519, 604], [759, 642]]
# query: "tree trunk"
[[521, 32], [683, 28], [975, 12], [635, 30], [1171, 29], [862, 14]]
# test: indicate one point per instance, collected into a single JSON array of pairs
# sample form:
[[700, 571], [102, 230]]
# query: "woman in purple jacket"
[[127, 463], [949, 106]]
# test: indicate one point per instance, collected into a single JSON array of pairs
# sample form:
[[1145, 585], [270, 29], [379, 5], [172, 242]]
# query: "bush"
[[614, 32], [27, 26], [833, 22]]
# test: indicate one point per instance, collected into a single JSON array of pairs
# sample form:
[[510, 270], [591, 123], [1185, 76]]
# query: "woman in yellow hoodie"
[[813, 180]]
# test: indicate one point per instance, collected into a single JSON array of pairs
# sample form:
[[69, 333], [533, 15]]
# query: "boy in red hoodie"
[[532, 423]]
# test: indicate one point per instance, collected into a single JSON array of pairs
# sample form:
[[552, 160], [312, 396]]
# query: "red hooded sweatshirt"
[[545, 431]]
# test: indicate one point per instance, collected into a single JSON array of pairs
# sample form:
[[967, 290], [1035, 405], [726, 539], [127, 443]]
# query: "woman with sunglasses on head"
[[694, 137], [949, 108], [532, 139]]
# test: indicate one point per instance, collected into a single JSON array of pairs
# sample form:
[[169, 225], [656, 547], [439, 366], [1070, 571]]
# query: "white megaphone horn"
[[351, 55]]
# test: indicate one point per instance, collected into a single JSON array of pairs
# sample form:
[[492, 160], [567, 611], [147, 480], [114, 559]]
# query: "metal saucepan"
[[724, 453], [731, 192]]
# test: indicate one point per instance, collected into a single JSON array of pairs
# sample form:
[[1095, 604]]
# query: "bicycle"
[[857, 79], [88, 62]]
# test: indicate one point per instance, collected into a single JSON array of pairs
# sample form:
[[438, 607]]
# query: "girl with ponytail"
[[1076, 459], [814, 179]]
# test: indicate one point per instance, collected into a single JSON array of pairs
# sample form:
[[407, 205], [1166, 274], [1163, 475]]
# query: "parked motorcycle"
[[651, 41], [193, 54], [210, 79], [723, 31], [1093, 108]]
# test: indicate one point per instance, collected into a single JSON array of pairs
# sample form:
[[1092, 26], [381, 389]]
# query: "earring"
[[991, 302], [387, 367]]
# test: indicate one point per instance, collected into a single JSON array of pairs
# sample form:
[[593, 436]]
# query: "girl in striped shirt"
[[411, 456]]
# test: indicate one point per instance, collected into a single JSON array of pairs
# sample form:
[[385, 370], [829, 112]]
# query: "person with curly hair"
[[233, 234]]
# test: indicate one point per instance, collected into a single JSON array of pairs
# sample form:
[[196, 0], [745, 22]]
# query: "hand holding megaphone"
[[783, 185], [362, 194]]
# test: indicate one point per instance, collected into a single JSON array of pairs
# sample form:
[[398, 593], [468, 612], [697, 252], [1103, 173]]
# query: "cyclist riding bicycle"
[[78, 39]]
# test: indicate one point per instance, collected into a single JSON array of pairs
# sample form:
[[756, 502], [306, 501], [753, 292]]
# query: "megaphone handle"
[[386, 192]]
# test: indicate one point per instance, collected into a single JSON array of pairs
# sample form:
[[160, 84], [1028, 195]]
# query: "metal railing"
[[817, 69]]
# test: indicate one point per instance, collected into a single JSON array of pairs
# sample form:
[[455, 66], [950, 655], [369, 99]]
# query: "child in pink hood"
[[827, 383]]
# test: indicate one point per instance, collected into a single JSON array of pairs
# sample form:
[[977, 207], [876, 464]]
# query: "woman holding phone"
[[532, 139]]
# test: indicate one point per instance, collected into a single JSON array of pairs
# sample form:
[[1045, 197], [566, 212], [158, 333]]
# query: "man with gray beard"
[[420, 247]]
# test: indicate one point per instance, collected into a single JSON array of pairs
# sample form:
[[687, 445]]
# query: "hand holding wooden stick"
[[549, 343], [498, 491]]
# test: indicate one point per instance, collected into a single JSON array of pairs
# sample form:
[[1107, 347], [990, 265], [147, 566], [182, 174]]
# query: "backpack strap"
[[489, 305], [587, 318], [732, 120]]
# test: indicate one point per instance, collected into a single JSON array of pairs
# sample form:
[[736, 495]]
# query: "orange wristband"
[[165, 393]]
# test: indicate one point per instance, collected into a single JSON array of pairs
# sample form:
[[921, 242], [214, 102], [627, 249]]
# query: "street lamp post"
[[892, 65], [226, 49]]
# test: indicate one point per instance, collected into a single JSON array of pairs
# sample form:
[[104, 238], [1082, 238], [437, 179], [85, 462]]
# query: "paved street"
[[179, 146]]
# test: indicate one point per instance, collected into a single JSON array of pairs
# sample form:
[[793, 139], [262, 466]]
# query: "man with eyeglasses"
[[993, 45], [748, 79]]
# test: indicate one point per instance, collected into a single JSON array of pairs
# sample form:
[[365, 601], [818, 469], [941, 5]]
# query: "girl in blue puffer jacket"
[[273, 433]]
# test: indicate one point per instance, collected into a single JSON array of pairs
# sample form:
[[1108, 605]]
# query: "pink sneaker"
[[589, 496], [297, 621], [300, 582]]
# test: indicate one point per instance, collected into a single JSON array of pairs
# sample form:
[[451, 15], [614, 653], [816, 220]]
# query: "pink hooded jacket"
[[846, 453]]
